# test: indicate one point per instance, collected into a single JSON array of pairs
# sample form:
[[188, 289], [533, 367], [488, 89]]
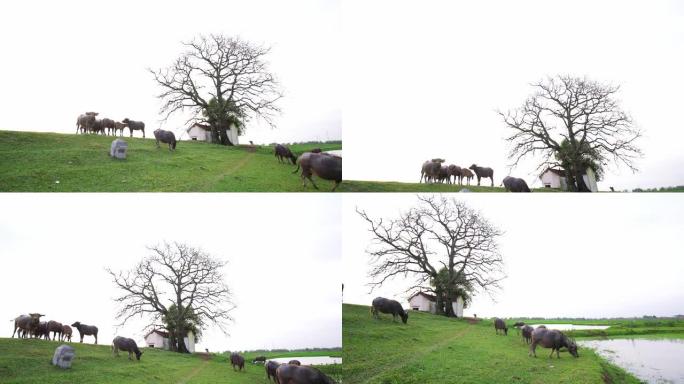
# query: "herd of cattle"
[[291, 373], [26, 326], [89, 123], [547, 338], [315, 162], [434, 171]]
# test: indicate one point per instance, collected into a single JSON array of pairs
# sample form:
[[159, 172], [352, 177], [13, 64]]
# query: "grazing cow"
[[134, 126], [27, 324], [465, 173], [323, 165], [42, 331], [500, 325], [166, 137], [259, 359], [514, 184], [271, 368], [430, 170], [66, 333], [483, 172], [527, 333], [382, 305], [127, 345], [294, 362], [85, 121], [295, 374], [455, 171], [554, 339], [85, 330], [237, 360], [108, 125], [283, 152], [56, 328]]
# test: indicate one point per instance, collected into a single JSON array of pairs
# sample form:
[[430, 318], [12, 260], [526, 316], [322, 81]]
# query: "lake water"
[[570, 327], [336, 152], [311, 360], [652, 360]]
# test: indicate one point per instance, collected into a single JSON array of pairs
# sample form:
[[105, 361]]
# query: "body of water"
[[652, 360], [570, 327], [336, 152], [311, 360]]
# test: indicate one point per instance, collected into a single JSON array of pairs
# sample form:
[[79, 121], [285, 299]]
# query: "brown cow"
[[56, 328], [66, 333]]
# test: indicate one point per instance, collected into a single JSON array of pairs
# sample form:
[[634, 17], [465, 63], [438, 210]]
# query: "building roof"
[[163, 334], [425, 295], [199, 125], [555, 171]]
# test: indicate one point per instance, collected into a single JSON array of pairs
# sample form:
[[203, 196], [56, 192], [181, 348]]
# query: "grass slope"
[[395, 186], [435, 349], [28, 361], [35, 162]]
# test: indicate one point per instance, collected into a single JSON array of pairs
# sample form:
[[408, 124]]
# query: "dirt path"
[[417, 355], [194, 372], [231, 169]]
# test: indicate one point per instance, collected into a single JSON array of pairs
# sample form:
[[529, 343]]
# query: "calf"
[[483, 172], [85, 330], [56, 328], [126, 345], [66, 333], [380, 304], [237, 360], [134, 126]]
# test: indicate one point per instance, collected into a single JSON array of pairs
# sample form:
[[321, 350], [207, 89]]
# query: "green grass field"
[[436, 349], [28, 361], [51, 162]]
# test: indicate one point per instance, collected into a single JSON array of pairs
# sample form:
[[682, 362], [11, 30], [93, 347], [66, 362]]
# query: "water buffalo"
[[119, 127], [85, 330], [483, 172], [295, 374], [127, 345], [271, 368], [97, 126], [283, 152], [430, 170], [41, 331], [237, 360], [27, 324], [134, 126], [500, 325], [85, 121], [465, 173], [108, 125], [294, 362], [166, 137], [455, 171], [554, 339], [66, 333], [380, 304], [259, 359], [323, 165], [514, 184], [56, 328], [443, 175], [527, 333]]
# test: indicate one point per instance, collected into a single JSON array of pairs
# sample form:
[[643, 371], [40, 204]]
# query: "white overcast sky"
[[283, 255], [424, 79], [622, 258], [60, 59]]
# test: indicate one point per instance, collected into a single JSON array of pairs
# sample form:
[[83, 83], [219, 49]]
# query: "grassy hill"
[[28, 361], [436, 349], [52, 162]]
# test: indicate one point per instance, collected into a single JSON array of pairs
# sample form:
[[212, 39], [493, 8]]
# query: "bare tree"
[[575, 124], [437, 233], [222, 81], [175, 280]]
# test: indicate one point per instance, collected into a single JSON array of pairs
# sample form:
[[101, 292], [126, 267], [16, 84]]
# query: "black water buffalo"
[[500, 325], [134, 126], [295, 374], [283, 152], [166, 137], [56, 328], [527, 333], [271, 368], [259, 359], [515, 184], [108, 125], [382, 305], [430, 170], [294, 362], [323, 165], [456, 172], [483, 172], [237, 360], [127, 345], [26, 324], [66, 333], [85, 330], [85, 121], [554, 339], [42, 331]]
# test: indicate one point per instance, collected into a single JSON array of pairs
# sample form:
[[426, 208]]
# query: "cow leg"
[[478, 181], [337, 182], [552, 351], [492, 178], [96, 338]]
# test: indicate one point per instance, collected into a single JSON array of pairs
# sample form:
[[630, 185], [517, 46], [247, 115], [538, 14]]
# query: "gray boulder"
[[118, 149], [63, 356]]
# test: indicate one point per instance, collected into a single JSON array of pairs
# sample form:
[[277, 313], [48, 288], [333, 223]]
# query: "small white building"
[[202, 132], [425, 302], [160, 339], [555, 178]]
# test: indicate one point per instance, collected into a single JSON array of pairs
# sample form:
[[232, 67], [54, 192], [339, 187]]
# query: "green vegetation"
[[679, 188], [52, 162], [437, 349], [395, 186], [28, 361]]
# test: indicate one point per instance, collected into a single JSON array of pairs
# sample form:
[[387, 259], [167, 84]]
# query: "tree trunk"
[[223, 133], [180, 336], [439, 304]]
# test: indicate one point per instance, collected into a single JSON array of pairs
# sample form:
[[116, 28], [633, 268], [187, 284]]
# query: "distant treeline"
[[679, 188], [263, 351], [645, 317], [309, 142]]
